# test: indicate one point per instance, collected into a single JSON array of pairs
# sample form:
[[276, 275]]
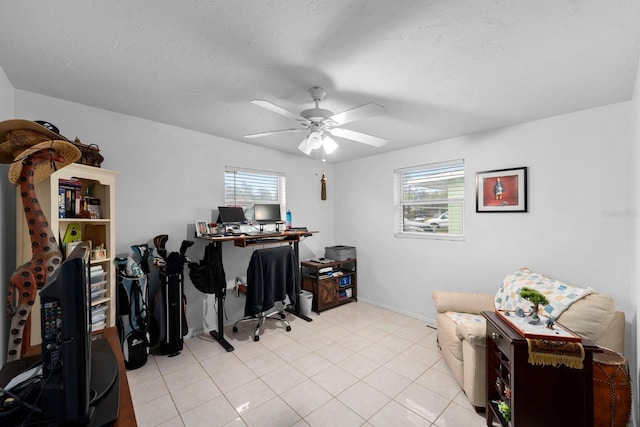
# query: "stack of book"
[[72, 204], [69, 196], [325, 272]]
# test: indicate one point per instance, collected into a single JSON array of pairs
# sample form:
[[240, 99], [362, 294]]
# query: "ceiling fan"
[[322, 123]]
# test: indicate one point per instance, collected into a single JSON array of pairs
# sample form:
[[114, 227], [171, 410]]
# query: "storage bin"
[[345, 281], [340, 252]]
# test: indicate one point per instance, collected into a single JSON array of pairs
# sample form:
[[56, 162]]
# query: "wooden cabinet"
[[331, 283], [100, 184], [536, 395]]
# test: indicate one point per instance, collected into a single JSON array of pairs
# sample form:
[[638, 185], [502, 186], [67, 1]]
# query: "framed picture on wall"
[[502, 190], [202, 228]]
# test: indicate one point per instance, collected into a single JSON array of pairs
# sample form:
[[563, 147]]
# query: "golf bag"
[[132, 319], [169, 304]]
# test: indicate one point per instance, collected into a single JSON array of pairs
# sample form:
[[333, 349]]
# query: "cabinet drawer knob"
[[495, 336]]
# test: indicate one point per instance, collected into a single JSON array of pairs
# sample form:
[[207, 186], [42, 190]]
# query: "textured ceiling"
[[441, 68]]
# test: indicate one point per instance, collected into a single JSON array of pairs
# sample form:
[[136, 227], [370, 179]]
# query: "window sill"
[[430, 236]]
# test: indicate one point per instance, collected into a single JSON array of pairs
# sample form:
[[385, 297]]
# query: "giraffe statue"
[[34, 150], [46, 255]]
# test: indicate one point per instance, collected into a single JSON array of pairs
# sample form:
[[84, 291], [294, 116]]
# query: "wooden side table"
[[536, 395]]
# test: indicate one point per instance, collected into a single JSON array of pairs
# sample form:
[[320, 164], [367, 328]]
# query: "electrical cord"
[[42, 387]]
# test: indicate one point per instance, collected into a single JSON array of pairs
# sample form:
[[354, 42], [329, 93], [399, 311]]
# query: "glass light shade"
[[305, 146], [315, 140], [329, 145]]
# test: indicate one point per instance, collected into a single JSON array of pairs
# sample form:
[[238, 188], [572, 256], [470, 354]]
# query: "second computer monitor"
[[231, 215], [267, 213]]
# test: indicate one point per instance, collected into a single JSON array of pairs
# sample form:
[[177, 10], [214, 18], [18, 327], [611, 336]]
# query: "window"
[[430, 201], [245, 187]]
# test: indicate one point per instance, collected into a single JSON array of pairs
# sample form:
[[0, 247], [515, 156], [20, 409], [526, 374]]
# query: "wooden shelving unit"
[[100, 231], [331, 283]]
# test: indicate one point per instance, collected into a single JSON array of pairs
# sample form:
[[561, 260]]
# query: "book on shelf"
[[325, 269], [69, 195]]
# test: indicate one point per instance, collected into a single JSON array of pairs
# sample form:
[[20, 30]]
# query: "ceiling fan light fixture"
[[329, 145], [305, 146], [315, 140]]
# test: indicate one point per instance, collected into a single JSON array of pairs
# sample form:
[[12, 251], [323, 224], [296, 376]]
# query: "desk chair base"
[[261, 318]]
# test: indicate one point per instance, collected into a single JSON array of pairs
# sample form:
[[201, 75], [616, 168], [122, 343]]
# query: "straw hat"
[[21, 138]]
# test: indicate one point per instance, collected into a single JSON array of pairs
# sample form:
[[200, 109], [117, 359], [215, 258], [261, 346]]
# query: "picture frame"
[[71, 246], [202, 228], [502, 190]]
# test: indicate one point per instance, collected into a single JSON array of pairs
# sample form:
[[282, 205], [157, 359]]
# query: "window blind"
[[430, 199], [245, 187]]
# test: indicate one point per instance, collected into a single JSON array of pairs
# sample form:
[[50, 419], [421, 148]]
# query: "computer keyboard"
[[259, 233]]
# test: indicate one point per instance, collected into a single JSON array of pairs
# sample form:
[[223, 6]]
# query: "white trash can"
[[306, 299]]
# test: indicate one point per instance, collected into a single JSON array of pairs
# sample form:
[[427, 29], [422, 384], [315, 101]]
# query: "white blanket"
[[559, 294]]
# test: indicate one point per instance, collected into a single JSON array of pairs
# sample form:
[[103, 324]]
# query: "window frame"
[[234, 197], [400, 203]]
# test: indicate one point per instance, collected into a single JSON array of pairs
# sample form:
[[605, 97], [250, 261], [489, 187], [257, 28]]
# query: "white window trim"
[[398, 205]]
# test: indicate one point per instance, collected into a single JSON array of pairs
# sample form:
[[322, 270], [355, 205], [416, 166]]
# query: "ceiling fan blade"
[[279, 110], [358, 136], [357, 113], [274, 132]]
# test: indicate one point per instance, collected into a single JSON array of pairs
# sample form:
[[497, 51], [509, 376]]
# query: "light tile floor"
[[354, 365]]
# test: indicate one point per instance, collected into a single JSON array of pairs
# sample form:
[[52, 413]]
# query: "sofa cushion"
[[559, 294], [475, 333], [591, 316], [447, 336]]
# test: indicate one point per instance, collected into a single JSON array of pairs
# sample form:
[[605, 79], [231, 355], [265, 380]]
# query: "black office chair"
[[272, 275]]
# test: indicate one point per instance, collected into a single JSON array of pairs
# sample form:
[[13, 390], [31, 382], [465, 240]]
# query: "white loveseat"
[[463, 343]]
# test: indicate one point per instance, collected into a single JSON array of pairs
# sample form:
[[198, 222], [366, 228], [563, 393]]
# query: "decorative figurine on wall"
[[323, 190]]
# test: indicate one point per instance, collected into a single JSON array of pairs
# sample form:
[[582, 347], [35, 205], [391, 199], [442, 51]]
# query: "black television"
[[267, 213], [66, 341], [231, 215]]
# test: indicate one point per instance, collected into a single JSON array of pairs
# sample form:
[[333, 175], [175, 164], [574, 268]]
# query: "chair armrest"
[[462, 302], [475, 333]]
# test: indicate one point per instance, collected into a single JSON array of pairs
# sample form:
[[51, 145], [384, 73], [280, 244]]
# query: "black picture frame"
[[502, 190]]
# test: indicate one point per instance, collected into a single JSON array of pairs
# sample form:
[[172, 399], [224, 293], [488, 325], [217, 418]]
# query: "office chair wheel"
[[256, 338], [288, 328], [235, 329], [282, 315]]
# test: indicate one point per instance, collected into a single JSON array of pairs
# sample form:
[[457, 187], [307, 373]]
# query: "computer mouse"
[[321, 259]]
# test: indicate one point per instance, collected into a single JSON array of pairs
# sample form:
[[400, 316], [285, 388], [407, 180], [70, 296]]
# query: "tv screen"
[[231, 215], [267, 213]]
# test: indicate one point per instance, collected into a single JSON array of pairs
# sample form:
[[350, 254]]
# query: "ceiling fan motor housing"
[[316, 114]]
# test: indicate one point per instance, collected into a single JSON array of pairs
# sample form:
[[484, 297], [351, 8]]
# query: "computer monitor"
[[231, 215], [267, 213]]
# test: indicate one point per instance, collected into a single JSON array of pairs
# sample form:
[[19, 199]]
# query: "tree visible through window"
[[430, 200]]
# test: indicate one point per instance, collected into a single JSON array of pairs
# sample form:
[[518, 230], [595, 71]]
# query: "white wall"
[[7, 218], [635, 196], [170, 177], [577, 228]]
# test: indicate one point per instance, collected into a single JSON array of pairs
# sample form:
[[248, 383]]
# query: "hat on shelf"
[[21, 138]]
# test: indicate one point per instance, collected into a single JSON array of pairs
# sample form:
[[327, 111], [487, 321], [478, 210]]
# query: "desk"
[[243, 241], [126, 414]]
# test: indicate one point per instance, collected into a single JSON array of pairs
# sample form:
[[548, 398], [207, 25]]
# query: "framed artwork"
[[202, 228], [502, 190]]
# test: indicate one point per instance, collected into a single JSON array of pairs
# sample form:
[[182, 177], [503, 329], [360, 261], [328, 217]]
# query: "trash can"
[[306, 299]]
